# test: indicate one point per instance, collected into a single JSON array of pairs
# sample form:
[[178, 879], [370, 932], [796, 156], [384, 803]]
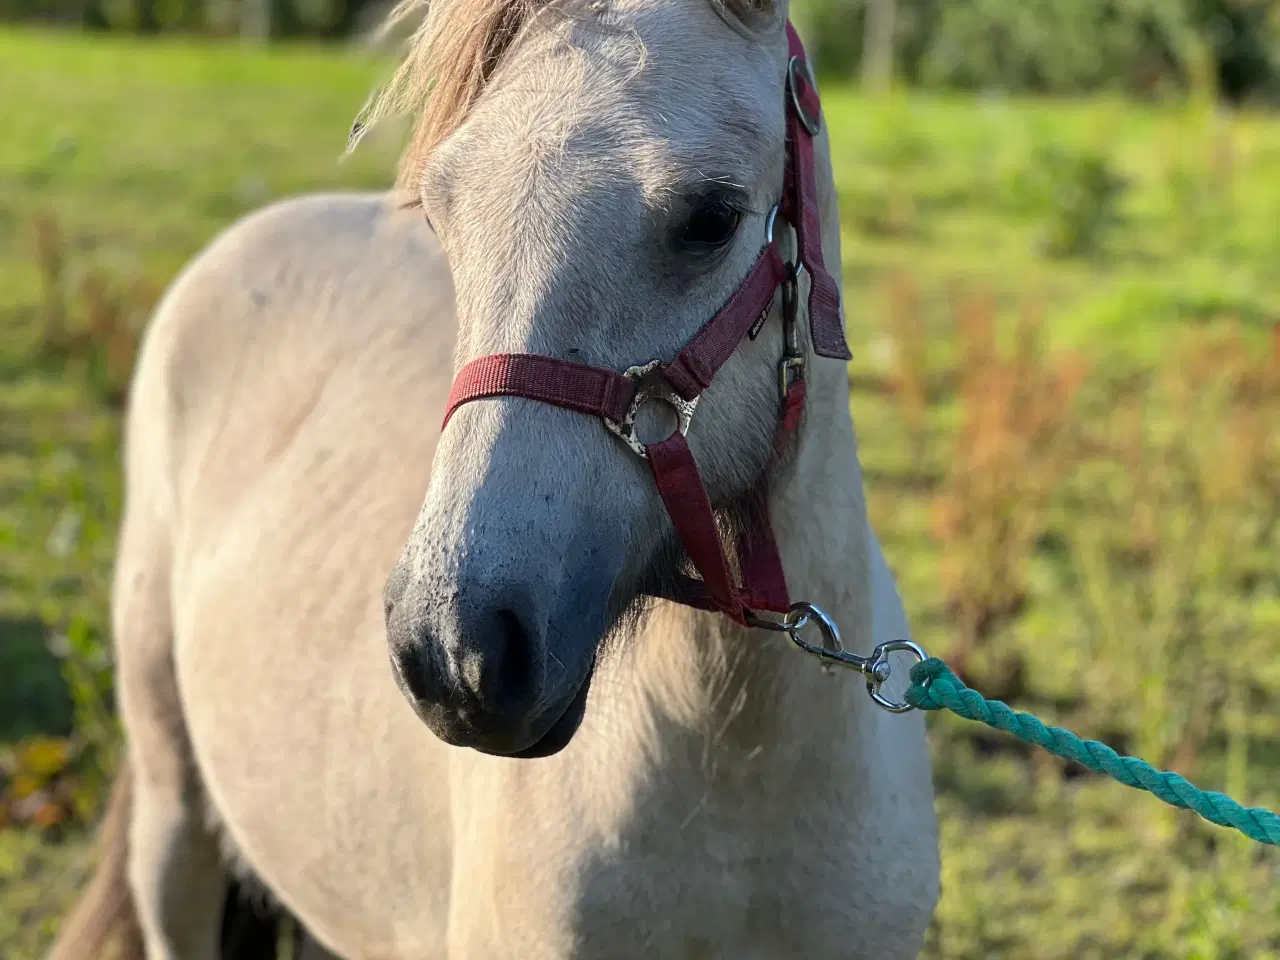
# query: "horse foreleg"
[[178, 880], [176, 872]]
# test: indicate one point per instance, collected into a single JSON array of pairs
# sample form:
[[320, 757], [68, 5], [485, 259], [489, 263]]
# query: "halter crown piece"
[[617, 397]]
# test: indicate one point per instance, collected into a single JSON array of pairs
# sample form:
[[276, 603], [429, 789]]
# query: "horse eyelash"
[[731, 200]]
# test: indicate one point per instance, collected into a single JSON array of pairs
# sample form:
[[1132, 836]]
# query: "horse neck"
[[753, 687]]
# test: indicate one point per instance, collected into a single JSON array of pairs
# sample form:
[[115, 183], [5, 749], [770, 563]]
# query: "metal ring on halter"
[[651, 385], [768, 225], [797, 68], [875, 668], [796, 267]]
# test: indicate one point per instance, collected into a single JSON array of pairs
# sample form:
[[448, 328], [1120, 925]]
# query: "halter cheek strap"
[[800, 204], [617, 397]]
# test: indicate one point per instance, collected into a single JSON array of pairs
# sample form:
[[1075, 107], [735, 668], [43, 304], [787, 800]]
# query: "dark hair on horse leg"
[[250, 930]]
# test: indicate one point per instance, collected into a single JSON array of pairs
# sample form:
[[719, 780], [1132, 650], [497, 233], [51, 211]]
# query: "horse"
[[453, 692]]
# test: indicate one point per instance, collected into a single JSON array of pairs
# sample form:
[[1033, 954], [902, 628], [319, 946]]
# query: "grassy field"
[[1066, 384]]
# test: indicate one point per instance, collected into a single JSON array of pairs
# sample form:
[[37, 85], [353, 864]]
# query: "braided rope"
[[935, 687]]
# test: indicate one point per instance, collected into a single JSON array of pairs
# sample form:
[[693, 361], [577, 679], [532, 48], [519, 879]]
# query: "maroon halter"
[[617, 397]]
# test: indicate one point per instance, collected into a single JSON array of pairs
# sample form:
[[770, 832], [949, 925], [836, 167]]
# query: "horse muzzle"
[[501, 667]]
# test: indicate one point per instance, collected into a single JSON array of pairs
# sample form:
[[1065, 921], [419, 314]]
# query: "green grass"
[[957, 190], [1148, 597], [140, 153]]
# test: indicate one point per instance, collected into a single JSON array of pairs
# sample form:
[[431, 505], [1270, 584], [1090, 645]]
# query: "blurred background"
[[1062, 263]]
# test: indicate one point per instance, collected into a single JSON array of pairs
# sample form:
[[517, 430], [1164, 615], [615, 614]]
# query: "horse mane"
[[453, 53]]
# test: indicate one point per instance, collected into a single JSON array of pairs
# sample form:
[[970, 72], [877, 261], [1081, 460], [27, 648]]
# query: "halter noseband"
[[616, 398]]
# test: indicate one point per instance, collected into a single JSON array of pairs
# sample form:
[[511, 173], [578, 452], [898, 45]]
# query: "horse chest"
[[683, 877], [721, 891]]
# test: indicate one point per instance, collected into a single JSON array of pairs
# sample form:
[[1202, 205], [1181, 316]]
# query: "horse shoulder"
[[285, 402]]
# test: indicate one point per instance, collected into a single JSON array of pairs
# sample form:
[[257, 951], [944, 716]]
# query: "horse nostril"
[[473, 669], [414, 675], [508, 681]]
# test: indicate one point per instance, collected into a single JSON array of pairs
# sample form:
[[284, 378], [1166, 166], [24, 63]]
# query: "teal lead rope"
[[935, 687]]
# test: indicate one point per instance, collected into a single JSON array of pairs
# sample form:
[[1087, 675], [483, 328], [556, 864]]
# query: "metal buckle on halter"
[[790, 372], [650, 385], [791, 367], [798, 69]]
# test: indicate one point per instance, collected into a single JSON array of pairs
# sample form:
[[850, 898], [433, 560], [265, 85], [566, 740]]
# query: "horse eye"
[[712, 225]]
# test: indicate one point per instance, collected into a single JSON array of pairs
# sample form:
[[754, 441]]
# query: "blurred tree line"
[[1139, 47], [254, 19]]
